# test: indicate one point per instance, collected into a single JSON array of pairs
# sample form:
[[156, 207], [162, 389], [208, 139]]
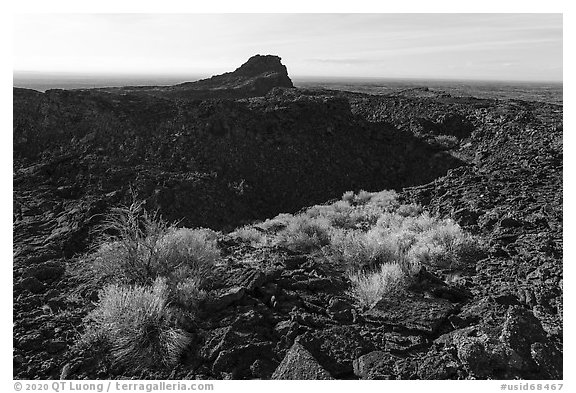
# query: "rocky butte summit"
[[256, 77]]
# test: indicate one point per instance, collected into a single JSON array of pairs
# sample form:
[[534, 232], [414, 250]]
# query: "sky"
[[526, 47]]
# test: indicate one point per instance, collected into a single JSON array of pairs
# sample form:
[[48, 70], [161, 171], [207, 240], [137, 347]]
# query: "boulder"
[[299, 364], [518, 349], [375, 365], [218, 300], [411, 311], [336, 348], [239, 360]]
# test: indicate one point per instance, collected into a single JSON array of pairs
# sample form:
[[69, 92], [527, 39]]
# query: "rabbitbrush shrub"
[[140, 247], [137, 325], [305, 234], [250, 235], [154, 277], [390, 242], [376, 240], [368, 288]]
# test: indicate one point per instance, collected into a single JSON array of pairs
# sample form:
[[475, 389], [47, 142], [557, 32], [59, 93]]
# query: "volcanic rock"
[[246, 146], [411, 311], [300, 364], [336, 348], [375, 365], [255, 78]]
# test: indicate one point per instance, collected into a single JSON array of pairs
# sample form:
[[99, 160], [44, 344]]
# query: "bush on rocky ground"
[[154, 277], [154, 273], [369, 288], [250, 235], [305, 234], [138, 247], [137, 325], [444, 142], [380, 243]]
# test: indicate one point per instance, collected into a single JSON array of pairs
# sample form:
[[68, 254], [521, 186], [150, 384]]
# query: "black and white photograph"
[[287, 196]]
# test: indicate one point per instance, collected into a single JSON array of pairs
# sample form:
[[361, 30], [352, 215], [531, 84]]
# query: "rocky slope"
[[213, 163], [275, 313], [252, 79]]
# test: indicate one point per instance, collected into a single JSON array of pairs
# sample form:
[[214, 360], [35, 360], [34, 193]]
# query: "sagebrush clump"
[[151, 274], [137, 324], [138, 247], [368, 288], [250, 235], [305, 234], [380, 242]]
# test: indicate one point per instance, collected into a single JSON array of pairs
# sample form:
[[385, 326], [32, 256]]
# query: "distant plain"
[[550, 92]]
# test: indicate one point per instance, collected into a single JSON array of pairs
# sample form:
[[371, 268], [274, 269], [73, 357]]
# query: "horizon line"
[[201, 75]]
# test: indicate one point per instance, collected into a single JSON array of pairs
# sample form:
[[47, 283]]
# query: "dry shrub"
[[250, 235], [305, 234], [277, 223], [410, 210], [348, 197], [154, 277], [190, 251], [447, 246], [397, 244], [137, 326], [363, 197], [379, 242], [359, 251], [143, 247], [386, 199], [370, 287]]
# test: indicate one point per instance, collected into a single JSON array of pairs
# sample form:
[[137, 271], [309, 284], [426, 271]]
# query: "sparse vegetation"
[[276, 223], [151, 274], [137, 325], [305, 234], [363, 197], [378, 241], [445, 142], [409, 210], [138, 247], [369, 288], [348, 196], [250, 235], [359, 252]]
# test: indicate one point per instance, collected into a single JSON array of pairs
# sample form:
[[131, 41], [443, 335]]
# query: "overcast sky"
[[453, 46]]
